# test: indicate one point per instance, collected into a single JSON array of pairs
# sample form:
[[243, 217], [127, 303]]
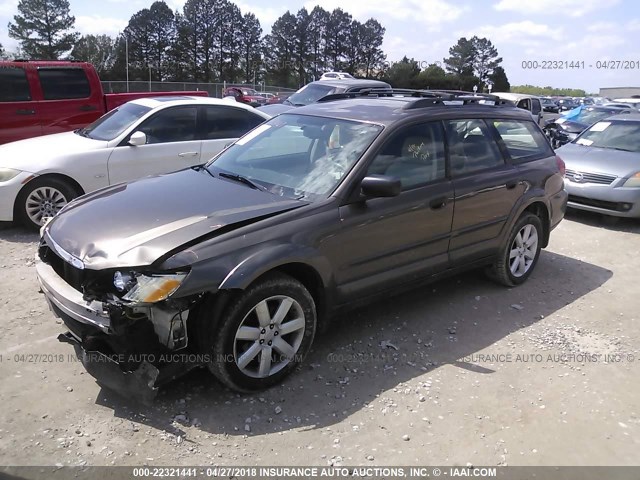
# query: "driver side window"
[[177, 124], [415, 155]]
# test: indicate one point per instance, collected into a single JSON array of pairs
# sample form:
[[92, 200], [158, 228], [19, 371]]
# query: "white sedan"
[[148, 136]]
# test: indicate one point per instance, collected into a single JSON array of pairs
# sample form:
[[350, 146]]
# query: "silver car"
[[603, 167]]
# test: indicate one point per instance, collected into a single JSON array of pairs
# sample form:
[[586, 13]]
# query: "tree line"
[[213, 41]]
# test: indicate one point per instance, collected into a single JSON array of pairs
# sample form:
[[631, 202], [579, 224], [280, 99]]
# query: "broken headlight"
[[148, 288]]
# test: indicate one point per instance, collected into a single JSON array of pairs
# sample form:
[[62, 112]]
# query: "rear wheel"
[[42, 198], [519, 254], [262, 335]]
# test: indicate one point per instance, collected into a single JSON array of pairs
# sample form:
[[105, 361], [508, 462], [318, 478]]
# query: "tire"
[[42, 197], [247, 352], [515, 263]]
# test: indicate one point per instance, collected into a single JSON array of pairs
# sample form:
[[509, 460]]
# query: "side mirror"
[[138, 138], [374, 186]]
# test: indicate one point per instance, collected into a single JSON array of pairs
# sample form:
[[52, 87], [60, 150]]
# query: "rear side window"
[[228, 122], [522, 140], [63, 83], [471, 147], [177, 124], [14, 86]]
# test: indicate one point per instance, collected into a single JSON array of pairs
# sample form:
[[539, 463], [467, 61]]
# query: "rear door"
[[385, 242], [486, 189], [221, 125], [70, 98], [19, 117], [172, 144]]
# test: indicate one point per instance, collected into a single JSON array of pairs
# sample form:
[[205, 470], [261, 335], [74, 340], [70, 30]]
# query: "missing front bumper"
[[140, 384]]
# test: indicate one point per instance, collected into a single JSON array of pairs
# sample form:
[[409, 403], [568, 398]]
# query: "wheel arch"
[[58, 176], [302, 263], [540, 210]]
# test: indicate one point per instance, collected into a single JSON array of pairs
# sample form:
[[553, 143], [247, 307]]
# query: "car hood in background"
[[599, 160], [275, 108], [572, 127], [32, 154], [134, 224]]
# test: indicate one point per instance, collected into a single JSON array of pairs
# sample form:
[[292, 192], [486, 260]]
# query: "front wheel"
[[42, 198], [519, 254], [263, 334]]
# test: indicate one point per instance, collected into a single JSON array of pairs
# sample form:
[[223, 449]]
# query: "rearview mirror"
[[380, 186], [138, 138]]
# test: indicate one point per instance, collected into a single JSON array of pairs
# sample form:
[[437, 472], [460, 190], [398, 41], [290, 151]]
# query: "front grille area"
[[72, 275], [591, 202], [585, 177]]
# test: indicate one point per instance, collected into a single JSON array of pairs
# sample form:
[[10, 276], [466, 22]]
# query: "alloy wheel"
[[44, 202], [269, 336], [523, 250]]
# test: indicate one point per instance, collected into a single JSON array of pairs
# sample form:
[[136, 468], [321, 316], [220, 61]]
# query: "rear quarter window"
[[14, 86], [63, 83], [522, 140]]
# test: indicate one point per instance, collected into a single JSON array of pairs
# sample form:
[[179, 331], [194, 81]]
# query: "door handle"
[[438, 203], [511, 185], [88, 108], [25, 111], [187, 154]]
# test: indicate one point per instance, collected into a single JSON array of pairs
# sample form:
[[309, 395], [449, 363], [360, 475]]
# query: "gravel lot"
[[460, 371]]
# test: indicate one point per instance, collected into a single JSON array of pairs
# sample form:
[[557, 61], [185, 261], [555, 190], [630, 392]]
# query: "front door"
[[172, 144], [385, 242]]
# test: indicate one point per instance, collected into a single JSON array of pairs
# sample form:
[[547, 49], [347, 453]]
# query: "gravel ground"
[[462, 371]]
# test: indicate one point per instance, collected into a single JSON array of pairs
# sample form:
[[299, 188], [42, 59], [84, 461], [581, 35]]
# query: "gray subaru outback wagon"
[[235, 265]]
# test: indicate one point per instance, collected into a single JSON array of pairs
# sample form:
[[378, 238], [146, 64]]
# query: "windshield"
[[589, 116], [113, 123], [249, 91], [297, 156], [619, 135], [310, 93]]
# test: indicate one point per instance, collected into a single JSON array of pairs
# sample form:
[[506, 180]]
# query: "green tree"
[[99, 50], [316, 35], [461, 58], [403, 74], [336, 38], [435, 78], [251, 47], [302, 55], [150, 33], [280, 51], [485, 59], [499, 80], [372, 56], [44, 28]]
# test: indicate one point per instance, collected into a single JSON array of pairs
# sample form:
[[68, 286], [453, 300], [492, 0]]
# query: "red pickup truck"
[[42, 97]]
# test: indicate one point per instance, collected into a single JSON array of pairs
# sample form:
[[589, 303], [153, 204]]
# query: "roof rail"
[[427, 98]]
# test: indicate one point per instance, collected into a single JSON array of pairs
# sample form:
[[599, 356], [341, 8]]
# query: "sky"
[[527, 33]]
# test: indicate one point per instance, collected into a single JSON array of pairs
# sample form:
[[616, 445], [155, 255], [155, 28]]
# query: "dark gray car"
[[236, 264], [603, 167]]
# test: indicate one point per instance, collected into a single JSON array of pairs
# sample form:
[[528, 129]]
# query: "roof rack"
[[426, 98]]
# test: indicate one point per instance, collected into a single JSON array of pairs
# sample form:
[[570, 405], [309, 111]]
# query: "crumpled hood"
[[33, 154], [134, 224], [572, 127]]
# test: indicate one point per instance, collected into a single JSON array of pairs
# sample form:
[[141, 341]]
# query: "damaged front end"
[[130, 336]]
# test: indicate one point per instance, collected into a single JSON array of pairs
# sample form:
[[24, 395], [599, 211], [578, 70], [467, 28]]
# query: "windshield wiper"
[[82, 132], [241, 179]]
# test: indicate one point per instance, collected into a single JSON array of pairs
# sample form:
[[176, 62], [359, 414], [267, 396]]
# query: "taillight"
[[561, 166]]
